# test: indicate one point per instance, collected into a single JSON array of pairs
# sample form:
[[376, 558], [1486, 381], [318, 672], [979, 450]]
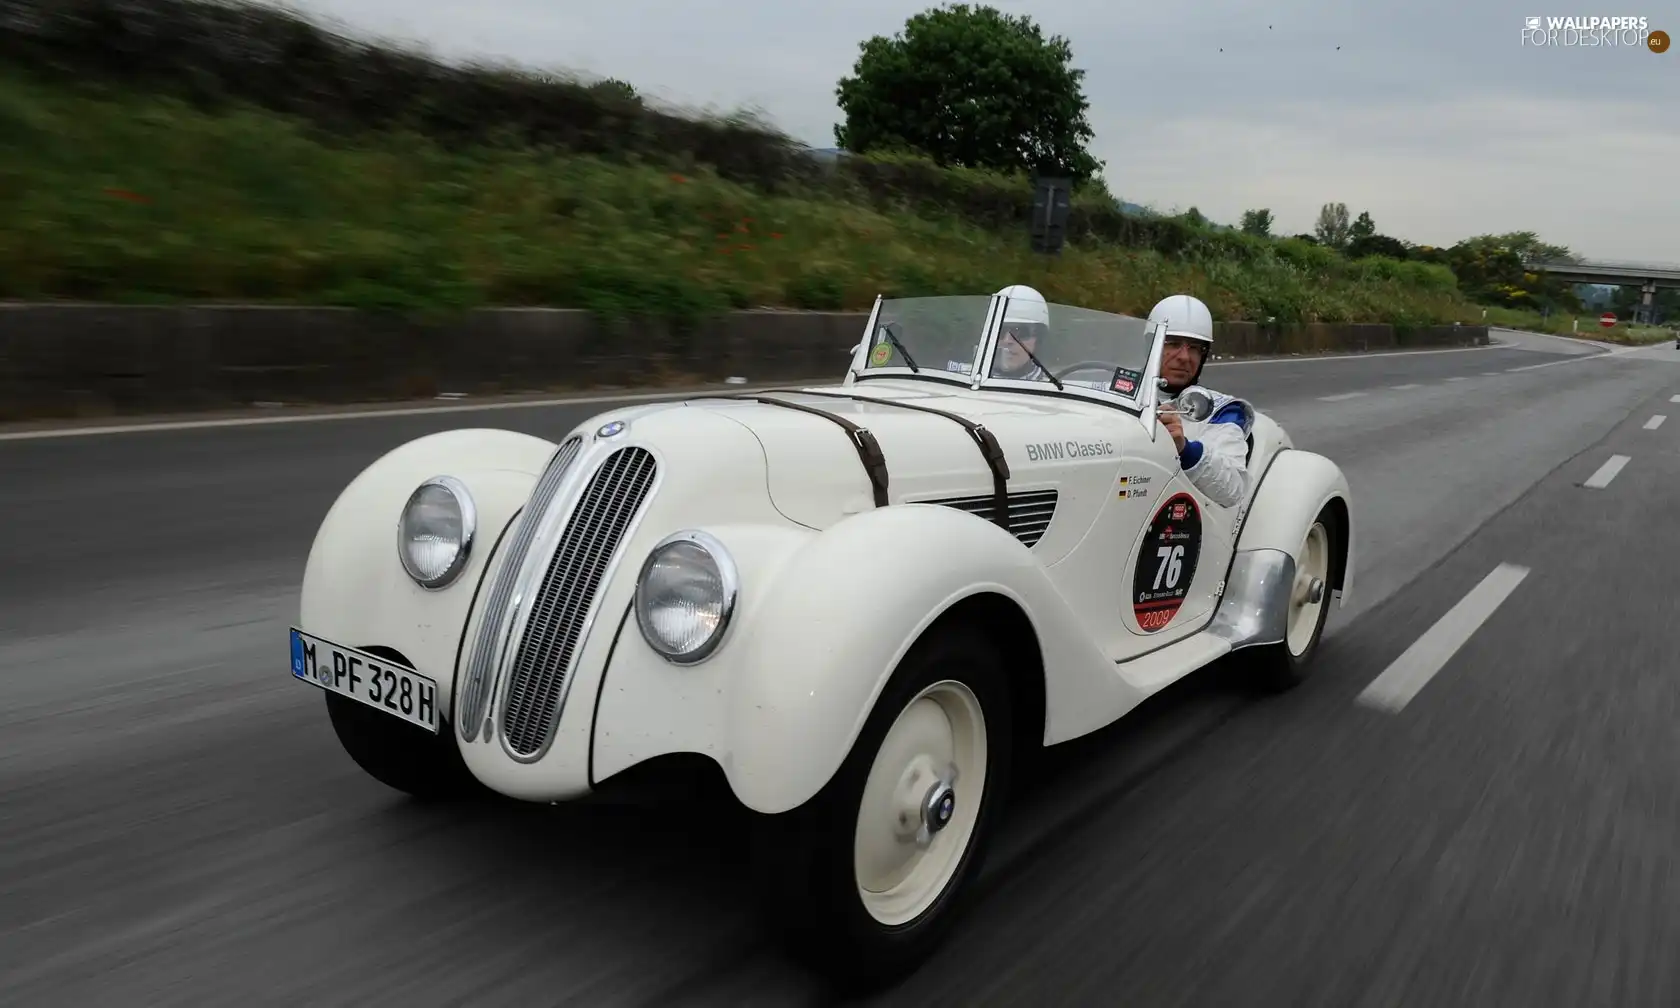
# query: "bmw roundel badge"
[[610, 429]]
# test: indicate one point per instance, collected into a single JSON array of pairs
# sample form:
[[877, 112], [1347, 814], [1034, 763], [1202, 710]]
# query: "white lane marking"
[[1400, 387], [1459, 378], [1492, 374], [171, 425], [1674, 398], [1411, 672], [1655, 421], [1582, 357], [1606, 472], [1339, 398]]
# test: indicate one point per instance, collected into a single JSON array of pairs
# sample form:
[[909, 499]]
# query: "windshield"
[[1082, 347], [935, 334], [1028, 344]]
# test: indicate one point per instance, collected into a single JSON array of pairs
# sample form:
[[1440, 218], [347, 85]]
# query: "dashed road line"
[[1492, 374], [1606, 472], [1459, 378], [1402, 387], [1674, 398], [1655, 421], [1339, 398], [1411, 672]]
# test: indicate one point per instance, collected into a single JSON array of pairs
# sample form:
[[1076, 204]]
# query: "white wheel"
[[1306, 600], [863, 881], [920, 803], [1286, 664]]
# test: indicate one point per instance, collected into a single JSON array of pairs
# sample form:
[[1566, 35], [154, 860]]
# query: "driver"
[[1025, 320], [1214, 454]]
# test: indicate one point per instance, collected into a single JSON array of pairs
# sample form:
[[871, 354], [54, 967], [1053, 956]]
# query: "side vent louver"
[[1030, 511]]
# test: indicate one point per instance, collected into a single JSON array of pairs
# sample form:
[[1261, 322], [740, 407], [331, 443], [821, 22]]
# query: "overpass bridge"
[[1646, 276]]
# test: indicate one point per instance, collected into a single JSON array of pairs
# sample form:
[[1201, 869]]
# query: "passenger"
[[1025, 320]]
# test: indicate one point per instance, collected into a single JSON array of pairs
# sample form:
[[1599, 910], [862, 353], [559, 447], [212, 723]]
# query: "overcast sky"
[[1431, 115]]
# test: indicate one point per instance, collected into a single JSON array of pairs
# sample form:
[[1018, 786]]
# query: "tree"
[[1257, 222], [1376, 244], [1332, 227], [612, 87], [1363, 227], [970, 87]]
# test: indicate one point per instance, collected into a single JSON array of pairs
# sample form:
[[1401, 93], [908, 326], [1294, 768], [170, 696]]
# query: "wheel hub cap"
[[938, 807]]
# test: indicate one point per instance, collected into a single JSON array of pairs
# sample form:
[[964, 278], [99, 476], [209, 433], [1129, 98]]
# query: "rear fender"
[[1296, 488]]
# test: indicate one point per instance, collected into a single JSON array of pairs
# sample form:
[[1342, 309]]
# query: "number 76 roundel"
[[1166, 562]]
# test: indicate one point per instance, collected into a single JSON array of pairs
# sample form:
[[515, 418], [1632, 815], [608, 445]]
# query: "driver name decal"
[[1052, 450], [1166, 562]]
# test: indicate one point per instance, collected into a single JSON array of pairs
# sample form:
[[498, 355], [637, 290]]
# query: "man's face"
[[1180, 358], [1011, 355]]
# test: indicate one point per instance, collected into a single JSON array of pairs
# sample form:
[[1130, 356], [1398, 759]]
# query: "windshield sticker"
[[960, 367], [881, 354], [1166, 562], [1051, 451], [1126, 381]]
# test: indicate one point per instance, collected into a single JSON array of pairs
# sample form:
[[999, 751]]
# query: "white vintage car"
[[857, 605]]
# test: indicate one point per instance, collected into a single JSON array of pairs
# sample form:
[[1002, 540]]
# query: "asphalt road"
[[179, 827]]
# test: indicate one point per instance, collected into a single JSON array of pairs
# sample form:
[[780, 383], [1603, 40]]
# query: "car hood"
[[816, 478]]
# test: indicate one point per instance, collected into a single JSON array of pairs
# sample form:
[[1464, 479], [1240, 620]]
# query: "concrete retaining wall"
[[97, 360]]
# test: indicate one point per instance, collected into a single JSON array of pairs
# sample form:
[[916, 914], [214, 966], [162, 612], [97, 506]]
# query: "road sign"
[[1051, 202], [1607, 320]]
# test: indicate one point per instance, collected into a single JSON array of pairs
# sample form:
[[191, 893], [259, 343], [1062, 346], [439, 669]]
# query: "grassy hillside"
[[188, 159]]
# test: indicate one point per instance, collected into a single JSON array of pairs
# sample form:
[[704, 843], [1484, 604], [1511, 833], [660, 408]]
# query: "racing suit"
[[1215, 453]]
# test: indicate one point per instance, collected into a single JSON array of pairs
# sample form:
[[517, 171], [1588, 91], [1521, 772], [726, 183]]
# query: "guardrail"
[[65, 361]]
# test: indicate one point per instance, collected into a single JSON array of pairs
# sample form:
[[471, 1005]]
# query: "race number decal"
[[1166, 562]]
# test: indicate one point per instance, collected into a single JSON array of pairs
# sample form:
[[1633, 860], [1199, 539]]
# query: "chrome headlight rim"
[[728, 573], [463, 498]]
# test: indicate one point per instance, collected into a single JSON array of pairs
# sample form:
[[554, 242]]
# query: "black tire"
[[808, 877], [400, 755], [1274, 668]]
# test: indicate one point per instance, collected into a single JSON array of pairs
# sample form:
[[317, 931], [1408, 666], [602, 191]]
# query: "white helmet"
[[1026, 307], [1188, 318], [1185, 316]]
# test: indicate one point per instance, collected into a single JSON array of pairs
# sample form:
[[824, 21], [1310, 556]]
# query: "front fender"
[[355, 590], [840, 616], [1295, 489]]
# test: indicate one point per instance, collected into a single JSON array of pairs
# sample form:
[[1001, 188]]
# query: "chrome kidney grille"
[[540, 669], [481, 662]]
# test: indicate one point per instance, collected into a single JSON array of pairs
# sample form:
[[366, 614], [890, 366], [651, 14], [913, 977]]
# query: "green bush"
[[214, 54]]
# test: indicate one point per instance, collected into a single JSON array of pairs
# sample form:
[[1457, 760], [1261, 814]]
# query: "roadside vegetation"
[[171, 150]]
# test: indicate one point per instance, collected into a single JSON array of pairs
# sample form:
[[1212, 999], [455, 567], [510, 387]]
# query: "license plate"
[[398, 691]]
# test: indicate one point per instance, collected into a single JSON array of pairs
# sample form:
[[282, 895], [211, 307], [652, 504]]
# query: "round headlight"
[[435, 534], [685, 595]]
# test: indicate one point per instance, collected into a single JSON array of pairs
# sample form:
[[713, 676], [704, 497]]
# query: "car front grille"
[[541, 665], [1030, 511], [481, 662]]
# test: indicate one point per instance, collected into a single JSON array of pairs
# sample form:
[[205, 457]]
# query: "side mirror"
[[1194, 403]]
